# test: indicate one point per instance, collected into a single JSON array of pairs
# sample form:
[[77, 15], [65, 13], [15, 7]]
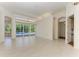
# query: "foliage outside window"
[[8, 28]]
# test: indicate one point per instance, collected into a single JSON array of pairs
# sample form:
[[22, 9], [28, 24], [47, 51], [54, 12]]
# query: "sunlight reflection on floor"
[[19, 42]]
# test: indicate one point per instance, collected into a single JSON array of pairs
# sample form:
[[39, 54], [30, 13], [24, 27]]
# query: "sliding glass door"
[[25, 29]]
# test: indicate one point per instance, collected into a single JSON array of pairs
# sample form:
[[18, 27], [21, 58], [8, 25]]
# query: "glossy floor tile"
[[36, 47]]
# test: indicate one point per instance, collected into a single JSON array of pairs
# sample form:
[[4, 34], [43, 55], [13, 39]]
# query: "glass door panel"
[[18, 29], [32, 29], [22, 29], [26, 29]]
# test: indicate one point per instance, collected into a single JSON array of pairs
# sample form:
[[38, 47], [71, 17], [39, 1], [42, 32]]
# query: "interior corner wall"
[[44, 28]]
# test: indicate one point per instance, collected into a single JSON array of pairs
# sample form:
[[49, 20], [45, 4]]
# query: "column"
[[13, 28]]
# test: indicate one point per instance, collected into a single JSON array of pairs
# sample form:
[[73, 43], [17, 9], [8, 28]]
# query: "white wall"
[[76, 26], [45, 27], [1, 24], [69, 9]]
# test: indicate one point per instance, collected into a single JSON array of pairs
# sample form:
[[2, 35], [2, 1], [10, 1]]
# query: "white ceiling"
[[33, 9]]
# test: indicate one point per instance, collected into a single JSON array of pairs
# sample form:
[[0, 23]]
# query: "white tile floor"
[[24, 47]]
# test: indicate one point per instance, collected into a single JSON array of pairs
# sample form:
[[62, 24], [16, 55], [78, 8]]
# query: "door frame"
[[67, 20]]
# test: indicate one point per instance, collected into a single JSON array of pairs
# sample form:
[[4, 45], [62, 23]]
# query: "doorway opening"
[[61, 28], [71, 30]]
